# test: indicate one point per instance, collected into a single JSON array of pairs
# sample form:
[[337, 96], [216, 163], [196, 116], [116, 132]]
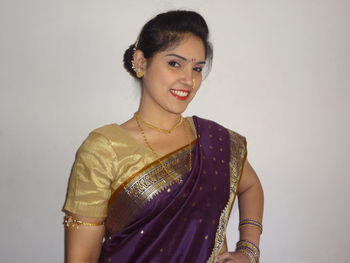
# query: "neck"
[[159, 118]]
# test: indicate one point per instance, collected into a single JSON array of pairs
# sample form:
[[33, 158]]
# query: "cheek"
[[158, 81], [166, 78], [158, 75], [198, 82]]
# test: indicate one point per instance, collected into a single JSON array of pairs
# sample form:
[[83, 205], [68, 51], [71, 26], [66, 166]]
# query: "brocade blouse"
[[106, 159]]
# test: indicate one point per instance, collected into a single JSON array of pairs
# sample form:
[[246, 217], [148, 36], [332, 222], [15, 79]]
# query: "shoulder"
[[102, 138], [110, 132], [237, 141], [205, 124], [237, 138]]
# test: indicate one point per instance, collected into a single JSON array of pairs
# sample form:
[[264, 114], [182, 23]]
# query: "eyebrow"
[[183, 58]]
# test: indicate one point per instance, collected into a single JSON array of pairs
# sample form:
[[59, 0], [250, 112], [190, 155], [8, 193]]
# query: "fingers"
[[224, 257], [231, 257]]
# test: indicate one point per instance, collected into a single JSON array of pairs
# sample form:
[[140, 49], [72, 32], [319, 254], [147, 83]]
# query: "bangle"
[[249, 245], [248, 254], [71, 222], [250, 222], [249, 249]]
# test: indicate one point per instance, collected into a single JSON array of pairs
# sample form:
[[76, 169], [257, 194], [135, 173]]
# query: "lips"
[[180, 94]]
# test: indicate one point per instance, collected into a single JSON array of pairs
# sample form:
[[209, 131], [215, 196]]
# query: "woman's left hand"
[[232, 257]]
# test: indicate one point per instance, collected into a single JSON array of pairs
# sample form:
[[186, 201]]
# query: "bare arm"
[[251, 203], [83, 244]]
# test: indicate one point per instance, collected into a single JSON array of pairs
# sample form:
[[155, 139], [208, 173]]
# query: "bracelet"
[[248, 254], [249, 245], [249, 249], [71, 222], [250, 222]]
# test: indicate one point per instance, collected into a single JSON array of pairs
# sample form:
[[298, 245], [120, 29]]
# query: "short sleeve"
[[89, 187], [238, 145]]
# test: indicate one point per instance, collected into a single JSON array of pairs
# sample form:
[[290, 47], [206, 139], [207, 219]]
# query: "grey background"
[[280, 77]]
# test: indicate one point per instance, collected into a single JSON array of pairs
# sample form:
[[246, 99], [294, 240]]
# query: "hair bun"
[[128, 58]]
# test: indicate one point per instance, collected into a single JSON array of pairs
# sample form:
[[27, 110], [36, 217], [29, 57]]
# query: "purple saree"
[[181, 216]]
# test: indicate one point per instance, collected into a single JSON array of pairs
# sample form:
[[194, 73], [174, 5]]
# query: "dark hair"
[[167, 30]]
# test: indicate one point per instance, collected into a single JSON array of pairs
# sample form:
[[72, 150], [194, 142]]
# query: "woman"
[[160, 187]]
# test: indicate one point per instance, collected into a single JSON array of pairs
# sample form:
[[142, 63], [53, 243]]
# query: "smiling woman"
[[172, 77], [160, 187]]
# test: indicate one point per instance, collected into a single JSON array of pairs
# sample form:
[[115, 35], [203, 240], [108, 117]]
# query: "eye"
[[198, 69], [174, 64]]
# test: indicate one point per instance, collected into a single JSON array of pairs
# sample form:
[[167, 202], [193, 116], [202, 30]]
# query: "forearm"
[[77, 252], [80, 261], [83, 243], [73, 257], [251, 206]]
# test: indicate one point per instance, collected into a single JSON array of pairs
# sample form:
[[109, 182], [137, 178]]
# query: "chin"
[[177, 110]]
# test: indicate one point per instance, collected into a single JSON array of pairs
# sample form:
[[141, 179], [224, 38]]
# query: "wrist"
[[249, 249]]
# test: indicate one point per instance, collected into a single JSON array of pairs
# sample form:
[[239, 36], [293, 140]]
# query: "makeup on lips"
[[180, 94]]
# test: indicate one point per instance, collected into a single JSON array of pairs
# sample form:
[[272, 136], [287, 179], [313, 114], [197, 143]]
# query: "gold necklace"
[[157, 156], [167, 131]]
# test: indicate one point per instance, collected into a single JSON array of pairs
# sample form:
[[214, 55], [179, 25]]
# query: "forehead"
[[190, 47]]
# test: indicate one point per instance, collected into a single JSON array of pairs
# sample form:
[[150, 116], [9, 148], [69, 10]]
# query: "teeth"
[[180, 93]]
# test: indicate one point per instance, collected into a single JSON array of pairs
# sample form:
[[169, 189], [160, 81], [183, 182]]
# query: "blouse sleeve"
[[89, 186]]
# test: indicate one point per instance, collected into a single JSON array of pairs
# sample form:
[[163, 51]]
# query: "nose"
[[187, 77]]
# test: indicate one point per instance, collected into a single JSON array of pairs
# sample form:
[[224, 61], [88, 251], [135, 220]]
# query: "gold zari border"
[[238, 156], [142, 187], [155, 179]]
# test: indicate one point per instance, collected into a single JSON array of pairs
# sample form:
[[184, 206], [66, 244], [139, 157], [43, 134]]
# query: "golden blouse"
[[106, 159]]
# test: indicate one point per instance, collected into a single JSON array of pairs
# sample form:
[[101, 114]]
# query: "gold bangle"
[[71, 222], [250, 245], [250, 222], [247, 253], [249, 249]]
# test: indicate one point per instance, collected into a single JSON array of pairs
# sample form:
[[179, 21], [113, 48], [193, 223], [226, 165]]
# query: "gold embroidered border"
[[238, 156], [143, 186], [155, 179]]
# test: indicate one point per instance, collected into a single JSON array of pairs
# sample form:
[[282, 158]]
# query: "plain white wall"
[[280, 77]]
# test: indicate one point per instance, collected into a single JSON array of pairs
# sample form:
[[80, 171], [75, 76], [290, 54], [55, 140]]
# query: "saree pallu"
[[168, 212]]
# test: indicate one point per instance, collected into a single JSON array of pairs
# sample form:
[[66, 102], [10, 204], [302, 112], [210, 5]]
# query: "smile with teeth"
[[180, 93]]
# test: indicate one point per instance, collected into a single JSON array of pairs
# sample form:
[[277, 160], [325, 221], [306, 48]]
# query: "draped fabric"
[[173, 212]]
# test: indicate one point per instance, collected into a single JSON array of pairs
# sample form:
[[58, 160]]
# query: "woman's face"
[[172, 77]]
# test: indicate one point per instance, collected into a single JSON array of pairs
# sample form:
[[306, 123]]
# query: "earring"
[[139, 74], [132, 60]]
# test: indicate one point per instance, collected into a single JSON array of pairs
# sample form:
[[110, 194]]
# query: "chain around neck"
[[158, 157], [149, 125]]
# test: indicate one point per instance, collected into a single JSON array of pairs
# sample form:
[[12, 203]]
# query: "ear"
[[140, 61]]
